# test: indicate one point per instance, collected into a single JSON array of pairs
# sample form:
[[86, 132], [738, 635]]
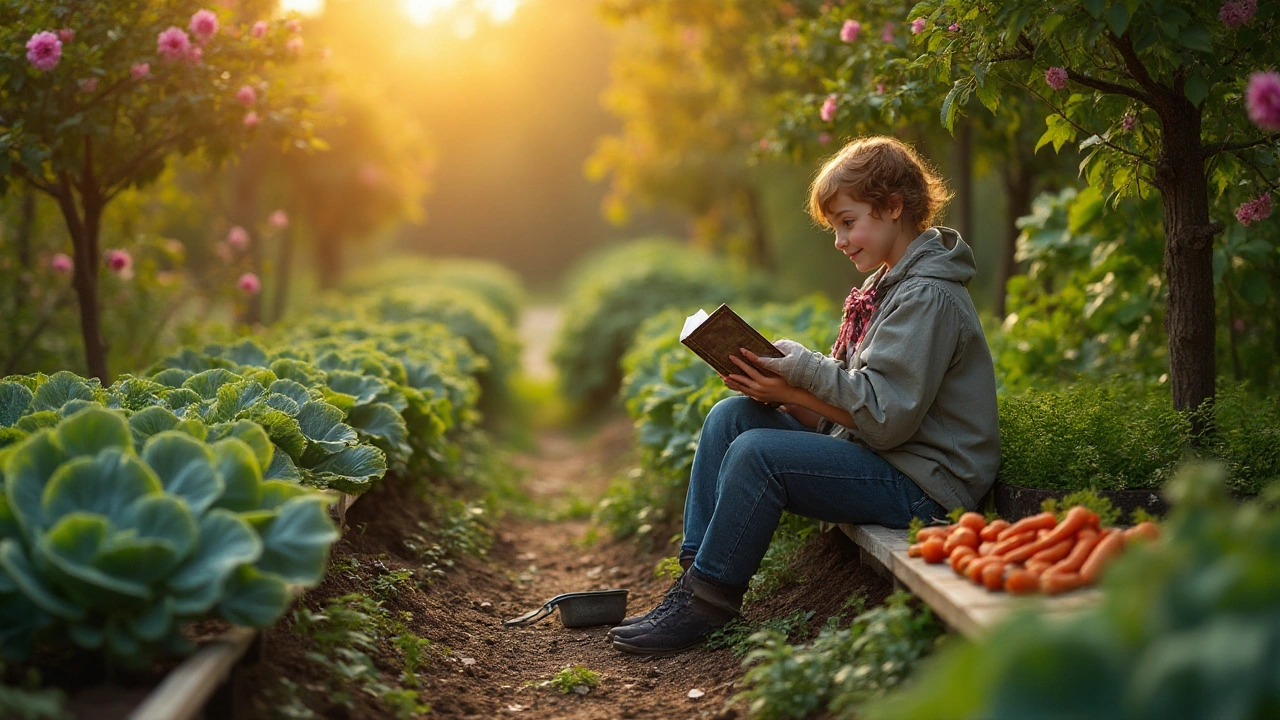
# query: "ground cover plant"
[[612, 294]]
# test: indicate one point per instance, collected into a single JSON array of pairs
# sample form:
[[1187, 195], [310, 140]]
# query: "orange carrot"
[[1044, 520], [1054, 553], [932, 551], [962, 536], [973, 570], [913, 550], [993, 575], [959, 554], [1085, 542], [1108, 548], [1146, 531], [1021, 582], [938, 531], [972, 520], [984, 548], [1053, 583], [1076, 520], [993, 529], [1003, 546], [1037, 567]]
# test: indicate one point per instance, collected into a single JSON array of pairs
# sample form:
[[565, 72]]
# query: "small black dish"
[[579, 609]]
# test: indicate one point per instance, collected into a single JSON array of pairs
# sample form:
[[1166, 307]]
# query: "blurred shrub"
[[669, 391], [501, 288], [617, 290], [1187, 628], [1246, 436]]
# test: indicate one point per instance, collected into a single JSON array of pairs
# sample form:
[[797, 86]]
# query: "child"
[[899, 422]]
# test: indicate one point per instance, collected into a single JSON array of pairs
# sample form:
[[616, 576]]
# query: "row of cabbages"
[[188, 491]]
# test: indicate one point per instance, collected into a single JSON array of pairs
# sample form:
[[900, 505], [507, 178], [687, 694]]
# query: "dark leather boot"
[[700, 606], [686, 560]]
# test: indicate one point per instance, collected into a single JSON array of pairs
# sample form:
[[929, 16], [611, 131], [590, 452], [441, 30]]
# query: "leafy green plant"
[[740, 636], [1107, 513], [1186, 628], [840, 669], [571, 679], [107, 547], [613, 293]]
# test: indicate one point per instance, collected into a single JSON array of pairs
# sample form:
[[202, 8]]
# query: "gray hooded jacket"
[[921, 386]]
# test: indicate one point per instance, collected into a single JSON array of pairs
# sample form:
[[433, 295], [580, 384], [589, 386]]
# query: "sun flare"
[[422, 12]]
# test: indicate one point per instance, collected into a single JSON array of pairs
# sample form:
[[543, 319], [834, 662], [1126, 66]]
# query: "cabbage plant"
[[111, 547]]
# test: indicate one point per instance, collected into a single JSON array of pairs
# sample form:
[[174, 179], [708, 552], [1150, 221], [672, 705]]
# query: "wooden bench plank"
[[962, 605]]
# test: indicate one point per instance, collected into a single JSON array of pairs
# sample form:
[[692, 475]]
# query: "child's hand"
[[792, 363], [757, 384]]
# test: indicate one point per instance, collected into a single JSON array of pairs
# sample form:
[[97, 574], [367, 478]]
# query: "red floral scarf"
[[858, 308]]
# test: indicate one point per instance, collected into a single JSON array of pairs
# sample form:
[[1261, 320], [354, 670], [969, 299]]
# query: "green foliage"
[[501, 288], [1108, 515], [841, 669], [913, 527], [571, 679], [455, 529], [669, 391], [111, 547], [613, 293], [1109, 436], [1246, 437], [741, 637], [29, 701], [777, 568], [1186, 629], [668, 568], [344, 638]]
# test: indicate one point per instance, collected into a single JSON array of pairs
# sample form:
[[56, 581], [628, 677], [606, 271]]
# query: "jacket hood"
[[938, 252]]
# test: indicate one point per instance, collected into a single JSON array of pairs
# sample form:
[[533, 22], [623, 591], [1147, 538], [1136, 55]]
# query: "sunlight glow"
[[306, 7], [422, 12]]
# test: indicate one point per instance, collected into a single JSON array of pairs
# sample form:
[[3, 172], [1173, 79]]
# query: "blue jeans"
[[753, 462]]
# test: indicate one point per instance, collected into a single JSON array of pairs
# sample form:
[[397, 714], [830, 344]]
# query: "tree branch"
[[1090, 82], [1079, 128], [1134, 65], [41, 184], [1215, 148], [1271, 184], [121, 178]]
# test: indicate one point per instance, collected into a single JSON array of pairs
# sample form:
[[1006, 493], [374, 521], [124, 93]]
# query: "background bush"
[[614, 292]]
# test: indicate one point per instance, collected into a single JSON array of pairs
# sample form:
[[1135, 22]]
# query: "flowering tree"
[[1160, 94], [95, 96]]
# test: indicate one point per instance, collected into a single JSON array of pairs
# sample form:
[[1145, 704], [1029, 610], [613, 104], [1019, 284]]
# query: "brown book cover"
[[720, 335]]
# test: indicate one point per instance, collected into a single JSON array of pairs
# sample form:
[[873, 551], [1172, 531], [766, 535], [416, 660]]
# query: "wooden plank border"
[[967, 608], [185, 691]]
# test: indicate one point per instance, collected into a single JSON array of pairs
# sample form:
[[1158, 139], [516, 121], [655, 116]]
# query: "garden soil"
[[490, 671]]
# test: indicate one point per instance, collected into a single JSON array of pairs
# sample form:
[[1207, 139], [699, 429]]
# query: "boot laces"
[[681, 604]]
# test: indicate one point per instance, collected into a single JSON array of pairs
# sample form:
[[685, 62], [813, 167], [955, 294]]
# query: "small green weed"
[[391, 583], [29, 701], [736, 636], [457, 529], [668, 568], [571, 679], [776, 569]]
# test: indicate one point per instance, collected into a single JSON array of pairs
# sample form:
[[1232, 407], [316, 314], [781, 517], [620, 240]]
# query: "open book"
[[716, 336]]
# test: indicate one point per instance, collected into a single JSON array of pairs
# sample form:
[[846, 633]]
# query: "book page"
[[692, 322]]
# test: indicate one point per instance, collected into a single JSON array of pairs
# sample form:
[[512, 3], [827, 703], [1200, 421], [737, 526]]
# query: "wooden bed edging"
[[185, 691], [960, 604]]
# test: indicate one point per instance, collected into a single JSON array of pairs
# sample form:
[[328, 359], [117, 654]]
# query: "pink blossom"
[[119, 261], [62, 263], [140, 70], [172, 44], [849, 31], [204, 24], [764, 144], [828, 111], [879, 88], [824, 138], [1256, 209], [294, 26], [44, 50], [259, 29], [1129, 121], [251, 119], [67, 35], [917, 26], [247, 95], [1235, 13], [87, 85], [278, 219], [195, 54], [250, 284], [238, 237], [886, 35], [1262, 98], [954, 27], [1056, 77], [294, 45]]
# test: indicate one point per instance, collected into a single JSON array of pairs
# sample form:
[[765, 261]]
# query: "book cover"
[[716, 336]]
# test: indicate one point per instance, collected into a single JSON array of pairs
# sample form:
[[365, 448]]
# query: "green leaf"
[[167, 518], [234, 398], [254, 599], [38, 421], [14, 401], [226, 542], [1117, 17], [60, 389], [1095, 7], [950, 105], [283, 430], [321, 424], [151, 421], [152, 625], [282, 468], [32, 584], [27, 472], [171, 377], [381, 422], [296, 543], [69, 548], [1196, 88], [179, 399], [185, 468], [107, 485], [276, 492], [1196, 37], [240, 473], [207, 383], [352, 470], [293, 390], [251, 433]]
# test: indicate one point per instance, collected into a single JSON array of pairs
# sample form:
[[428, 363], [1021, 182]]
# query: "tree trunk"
[[284, 270], [1017, 189], [756, 227], [328, 256], [84, 231], [964, 179], [1188, 257]]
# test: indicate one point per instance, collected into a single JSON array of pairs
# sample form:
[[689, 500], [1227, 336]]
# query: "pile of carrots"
[[1034, 554]]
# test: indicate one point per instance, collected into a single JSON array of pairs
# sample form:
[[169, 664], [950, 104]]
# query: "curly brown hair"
[[876, 170]]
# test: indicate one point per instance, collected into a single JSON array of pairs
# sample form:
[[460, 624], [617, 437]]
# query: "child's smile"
[[867, 238]]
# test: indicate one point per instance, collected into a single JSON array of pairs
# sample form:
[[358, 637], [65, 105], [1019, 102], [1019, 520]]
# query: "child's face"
[[867, 240]]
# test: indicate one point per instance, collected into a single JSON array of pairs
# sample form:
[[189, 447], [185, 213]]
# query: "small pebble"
[[696, 693]]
